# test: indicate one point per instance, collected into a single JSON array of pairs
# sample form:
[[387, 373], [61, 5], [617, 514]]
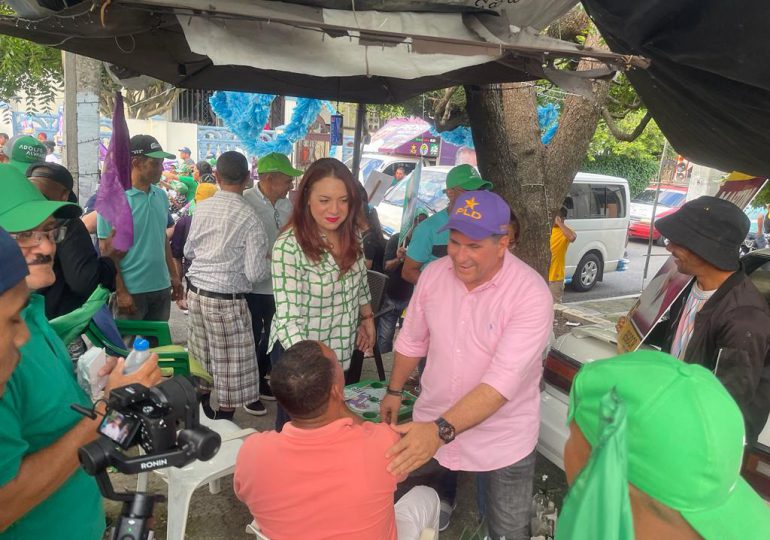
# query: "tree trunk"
[[532, 177]]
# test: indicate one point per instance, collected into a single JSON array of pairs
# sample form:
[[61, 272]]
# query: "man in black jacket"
[[722, 321], [78, 269]]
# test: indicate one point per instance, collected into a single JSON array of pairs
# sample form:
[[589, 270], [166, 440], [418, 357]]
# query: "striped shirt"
[[313, 302], [684, 330], [227, 245]]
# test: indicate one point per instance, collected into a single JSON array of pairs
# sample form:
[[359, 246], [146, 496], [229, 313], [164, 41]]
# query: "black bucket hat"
[[711, 228]]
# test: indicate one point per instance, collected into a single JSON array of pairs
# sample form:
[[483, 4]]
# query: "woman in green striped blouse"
[[319, 276]]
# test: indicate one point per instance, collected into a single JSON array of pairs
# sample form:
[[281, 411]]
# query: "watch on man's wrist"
[[446, 431]]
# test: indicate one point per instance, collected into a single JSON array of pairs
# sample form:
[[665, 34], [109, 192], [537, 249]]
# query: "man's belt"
[[218, 295]]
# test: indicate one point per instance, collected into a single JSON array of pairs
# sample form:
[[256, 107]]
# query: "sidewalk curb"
[[578, 315]]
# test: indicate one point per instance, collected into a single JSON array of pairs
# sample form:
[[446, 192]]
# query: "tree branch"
[[618, 133]]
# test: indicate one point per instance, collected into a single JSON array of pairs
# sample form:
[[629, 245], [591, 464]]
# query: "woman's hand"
[[366, 335]]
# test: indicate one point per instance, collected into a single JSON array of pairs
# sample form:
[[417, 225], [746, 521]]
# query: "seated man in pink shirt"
[[482, 318], [325, 475]]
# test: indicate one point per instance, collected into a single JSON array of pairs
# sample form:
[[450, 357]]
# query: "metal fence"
[[192, 106]]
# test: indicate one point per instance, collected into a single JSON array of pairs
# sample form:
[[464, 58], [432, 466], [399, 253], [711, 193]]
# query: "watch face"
[[446, 431]]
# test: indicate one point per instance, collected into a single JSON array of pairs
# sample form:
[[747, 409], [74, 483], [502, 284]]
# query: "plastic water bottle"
[[138, 355]]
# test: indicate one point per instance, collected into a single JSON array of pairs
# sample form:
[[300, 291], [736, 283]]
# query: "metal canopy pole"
[[654, 211], [357, 146]]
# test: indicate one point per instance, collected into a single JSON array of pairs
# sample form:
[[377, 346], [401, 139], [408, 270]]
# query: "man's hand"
[[419, 443], [148, 373], [389, 408], [177, 291], [401, 253], [126, 303], [182, 304]]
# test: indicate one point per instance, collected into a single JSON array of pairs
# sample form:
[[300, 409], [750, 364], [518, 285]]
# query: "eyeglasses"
[[28, 239], [277, 219]]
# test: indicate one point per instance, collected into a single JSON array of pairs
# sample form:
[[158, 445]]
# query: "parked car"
[[430, 196], [385, 163], [570, 351], [669, 201], [597, 210]]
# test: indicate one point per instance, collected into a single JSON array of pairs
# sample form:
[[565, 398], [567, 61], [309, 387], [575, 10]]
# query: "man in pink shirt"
[[482, 318], [324, 476]]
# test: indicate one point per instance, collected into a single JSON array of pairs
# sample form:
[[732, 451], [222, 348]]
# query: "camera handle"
[[134, 521]]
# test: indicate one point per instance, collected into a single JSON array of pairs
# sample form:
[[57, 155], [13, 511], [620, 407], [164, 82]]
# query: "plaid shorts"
[[220, 337]]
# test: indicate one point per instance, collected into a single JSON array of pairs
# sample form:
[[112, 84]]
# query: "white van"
[[598, 211]]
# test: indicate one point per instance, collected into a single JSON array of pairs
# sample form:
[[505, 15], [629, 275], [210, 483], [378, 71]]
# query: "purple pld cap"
[[479, 214]]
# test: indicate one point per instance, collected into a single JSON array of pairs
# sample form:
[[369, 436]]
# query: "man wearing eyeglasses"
[[42, 487], [78, 268], [268, 197]]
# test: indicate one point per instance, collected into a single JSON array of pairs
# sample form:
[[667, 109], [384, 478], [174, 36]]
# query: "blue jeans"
[[386, 323], [281, 417], [508, 499]]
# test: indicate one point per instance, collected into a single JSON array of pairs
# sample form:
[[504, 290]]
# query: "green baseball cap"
[[23, 151], [275, 162], [685, 437], [23, 207], [467, 178]]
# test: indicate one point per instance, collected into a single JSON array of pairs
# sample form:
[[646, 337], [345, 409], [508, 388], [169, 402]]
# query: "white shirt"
[[273, 218], [227, 245]]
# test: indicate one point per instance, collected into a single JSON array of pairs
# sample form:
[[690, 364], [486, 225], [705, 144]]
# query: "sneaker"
[[255, 409], [266, 393], [445, 515], [218, 414]]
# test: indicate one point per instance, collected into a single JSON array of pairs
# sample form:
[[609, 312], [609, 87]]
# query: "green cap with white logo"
[[685, 439], [23, 151]]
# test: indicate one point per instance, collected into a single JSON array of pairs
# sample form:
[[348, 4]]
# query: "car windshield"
[[430, 194], [672, 199], [368, 164]]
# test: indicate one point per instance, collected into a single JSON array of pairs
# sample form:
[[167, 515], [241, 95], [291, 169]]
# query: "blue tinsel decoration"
[[547, 119], [246, 114], [459, 136], [302, 117], [243, 114]]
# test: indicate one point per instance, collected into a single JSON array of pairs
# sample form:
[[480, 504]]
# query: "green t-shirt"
[[192, 186], [35, 413], [427, 243], [144, 268]]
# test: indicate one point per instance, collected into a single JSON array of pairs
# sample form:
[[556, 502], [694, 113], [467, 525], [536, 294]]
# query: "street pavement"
[[627, 282]]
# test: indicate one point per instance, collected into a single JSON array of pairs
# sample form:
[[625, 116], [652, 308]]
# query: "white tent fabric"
[[374, 51]]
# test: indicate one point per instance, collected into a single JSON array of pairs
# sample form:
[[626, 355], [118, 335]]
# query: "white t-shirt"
[[684, 330]]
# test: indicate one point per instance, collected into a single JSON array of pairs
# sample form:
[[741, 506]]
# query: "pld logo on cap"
[[469, 210]]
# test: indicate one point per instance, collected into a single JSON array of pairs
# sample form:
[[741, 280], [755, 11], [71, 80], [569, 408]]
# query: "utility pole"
[[82, 84]]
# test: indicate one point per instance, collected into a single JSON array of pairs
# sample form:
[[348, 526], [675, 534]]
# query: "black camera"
[[164, 422]]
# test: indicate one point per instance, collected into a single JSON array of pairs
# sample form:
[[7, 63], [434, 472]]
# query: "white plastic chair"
[[253, 528], [183, 482]]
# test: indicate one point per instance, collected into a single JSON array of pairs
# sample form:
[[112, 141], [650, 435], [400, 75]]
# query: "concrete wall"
[[170, 135]]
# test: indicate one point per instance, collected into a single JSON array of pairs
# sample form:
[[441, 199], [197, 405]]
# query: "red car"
[[669, 201]]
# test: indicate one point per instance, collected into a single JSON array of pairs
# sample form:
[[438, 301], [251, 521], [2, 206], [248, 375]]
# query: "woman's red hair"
[[305, 227]]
